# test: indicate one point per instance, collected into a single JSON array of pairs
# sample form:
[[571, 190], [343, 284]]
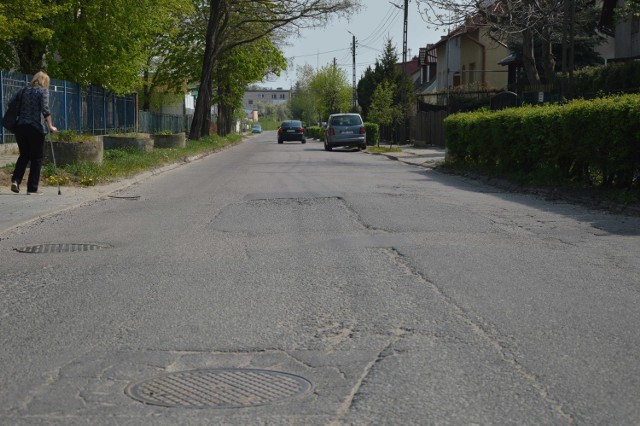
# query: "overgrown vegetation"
[[71, 136]]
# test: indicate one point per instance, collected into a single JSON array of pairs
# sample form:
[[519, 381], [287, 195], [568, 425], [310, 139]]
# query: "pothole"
[[218, 388], [61, 248]]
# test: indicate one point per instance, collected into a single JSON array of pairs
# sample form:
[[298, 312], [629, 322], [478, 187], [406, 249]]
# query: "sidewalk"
[[18, 210], [429, 156]]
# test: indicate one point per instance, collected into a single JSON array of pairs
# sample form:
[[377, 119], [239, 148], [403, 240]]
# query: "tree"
[[239, 67], [232, 23], [332, 91], [630, 8], [25, 33], [101, 42], [383, 110], [161, 69], [365, 89], [303, 104], [386, 70]]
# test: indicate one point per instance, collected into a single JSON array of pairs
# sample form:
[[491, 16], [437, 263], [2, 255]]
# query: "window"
[[472, 72], [283, 96], [250, 101]]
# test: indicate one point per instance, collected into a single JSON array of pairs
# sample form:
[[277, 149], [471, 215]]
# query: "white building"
[[254, 98]]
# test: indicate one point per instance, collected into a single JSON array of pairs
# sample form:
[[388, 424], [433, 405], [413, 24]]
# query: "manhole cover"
[[218, 388], [61, 248]]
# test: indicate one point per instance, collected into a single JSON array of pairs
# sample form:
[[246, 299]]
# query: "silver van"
[[345, 130]]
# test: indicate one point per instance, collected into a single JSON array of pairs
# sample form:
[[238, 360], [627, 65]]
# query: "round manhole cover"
[[61, 248], [218, 388]]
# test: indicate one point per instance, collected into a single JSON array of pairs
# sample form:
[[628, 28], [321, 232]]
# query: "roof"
[[412, 66], [511, 59], [471, 24]]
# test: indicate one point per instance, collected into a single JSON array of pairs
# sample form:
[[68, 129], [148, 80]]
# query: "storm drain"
[[61, 248], [218, 388]]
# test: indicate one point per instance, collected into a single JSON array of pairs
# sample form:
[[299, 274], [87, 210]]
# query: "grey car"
[[345, 130]]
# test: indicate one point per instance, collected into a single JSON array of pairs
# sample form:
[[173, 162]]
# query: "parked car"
[[345, 130], [256, 128], [291, 130]]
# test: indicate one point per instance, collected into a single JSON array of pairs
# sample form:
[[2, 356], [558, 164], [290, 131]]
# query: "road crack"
[[487, 332], [348, 401]]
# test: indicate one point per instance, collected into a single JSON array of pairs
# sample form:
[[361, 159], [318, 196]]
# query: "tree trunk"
[[202, 113], [548, 62], [223, 108], [146, 90], [222, 121], [30, 56], [225, 119], [528, 58]]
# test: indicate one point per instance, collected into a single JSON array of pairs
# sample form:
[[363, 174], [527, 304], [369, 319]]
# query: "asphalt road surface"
[[282, 284]]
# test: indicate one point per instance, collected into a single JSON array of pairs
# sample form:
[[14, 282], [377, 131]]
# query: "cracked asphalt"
[[404, 295]]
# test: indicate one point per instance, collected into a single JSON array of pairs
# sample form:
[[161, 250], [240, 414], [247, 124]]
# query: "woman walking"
[[33, 117]]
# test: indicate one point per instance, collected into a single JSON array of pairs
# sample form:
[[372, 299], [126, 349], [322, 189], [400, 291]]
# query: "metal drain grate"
[[61, 248], [218, 388]]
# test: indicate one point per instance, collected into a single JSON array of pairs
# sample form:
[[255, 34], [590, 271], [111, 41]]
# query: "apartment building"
[[255, 98]]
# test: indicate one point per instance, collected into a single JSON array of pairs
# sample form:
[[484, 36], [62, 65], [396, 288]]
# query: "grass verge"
[[122, 163], [383, 149]]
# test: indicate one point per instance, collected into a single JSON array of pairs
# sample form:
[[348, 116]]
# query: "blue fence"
[[93, 110]]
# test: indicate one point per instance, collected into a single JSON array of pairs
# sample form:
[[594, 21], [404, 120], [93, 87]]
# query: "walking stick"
[[55, 167]]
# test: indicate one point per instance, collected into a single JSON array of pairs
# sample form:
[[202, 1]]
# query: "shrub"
[[373, 133], [607, 79], [594, 143], [314, 132]]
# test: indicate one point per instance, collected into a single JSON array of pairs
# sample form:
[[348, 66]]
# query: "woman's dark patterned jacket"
[[34, 107]]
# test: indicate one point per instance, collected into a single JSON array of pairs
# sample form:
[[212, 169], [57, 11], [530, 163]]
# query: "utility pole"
[[355, 91], [407, 131], [404, 34], [568, 48], [405, 31], [407, 136]]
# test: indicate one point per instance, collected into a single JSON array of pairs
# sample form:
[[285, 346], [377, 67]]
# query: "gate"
[[429, 128]]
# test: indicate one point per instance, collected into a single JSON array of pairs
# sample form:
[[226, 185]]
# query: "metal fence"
[[151, 122], [93, 110]]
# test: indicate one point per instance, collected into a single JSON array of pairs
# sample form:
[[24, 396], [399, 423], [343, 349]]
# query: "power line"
[[319, 53], [384, 31], [372, 48], [378, 29]]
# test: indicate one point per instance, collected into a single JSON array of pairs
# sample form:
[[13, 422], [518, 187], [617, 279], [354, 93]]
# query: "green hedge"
[[314, 132], [594, 142], [607, 79], [373, 133]]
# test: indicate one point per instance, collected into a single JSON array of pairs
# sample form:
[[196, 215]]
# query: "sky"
[[371, 26]]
